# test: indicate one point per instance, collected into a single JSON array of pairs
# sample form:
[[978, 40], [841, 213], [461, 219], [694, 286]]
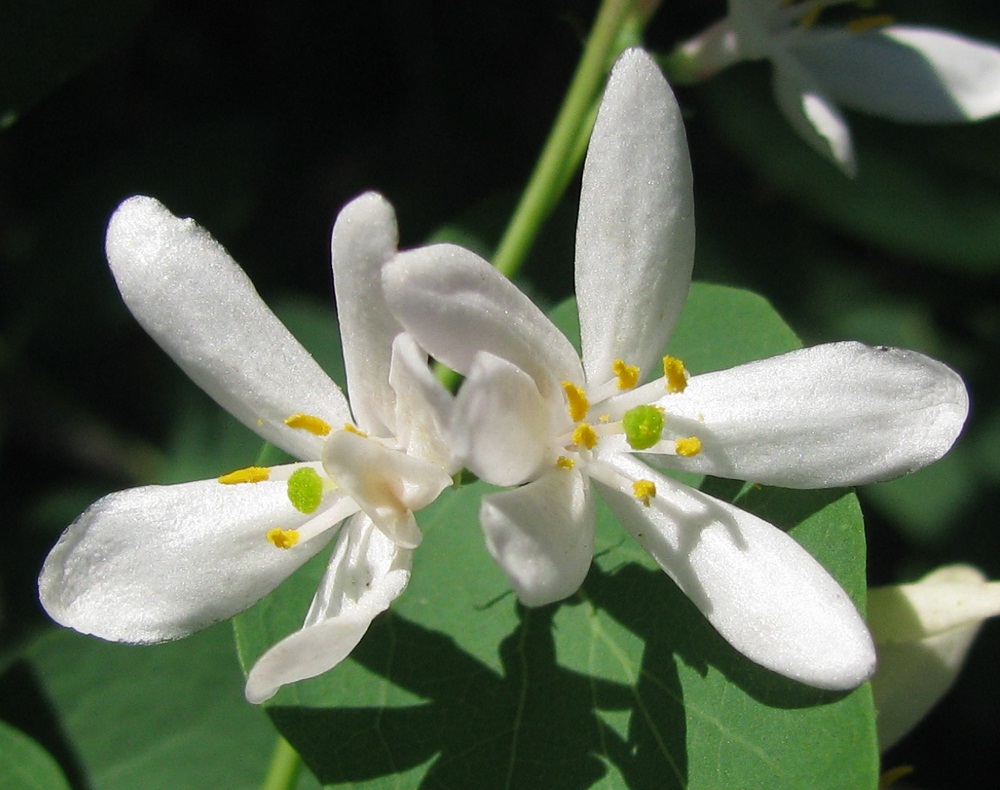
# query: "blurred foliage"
[[263, 120]]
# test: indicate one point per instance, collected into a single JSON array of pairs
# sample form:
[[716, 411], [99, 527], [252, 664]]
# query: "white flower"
[[529, 413], [905, 73], [923, 631], [160, 562]]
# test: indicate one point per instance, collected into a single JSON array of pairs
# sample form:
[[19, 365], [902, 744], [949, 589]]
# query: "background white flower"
[[159, 562], [528, 411], [906, 73]]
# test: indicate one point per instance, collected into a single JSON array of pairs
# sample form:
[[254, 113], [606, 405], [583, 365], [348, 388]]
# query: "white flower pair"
[[157, 563]]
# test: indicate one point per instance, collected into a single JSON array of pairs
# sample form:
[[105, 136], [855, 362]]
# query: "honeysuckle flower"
[[923, 632], [157, 563], [901, 72], [529, 414]]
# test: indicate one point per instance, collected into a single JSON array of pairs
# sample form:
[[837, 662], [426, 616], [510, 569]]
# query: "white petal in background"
[[367, 571], [635, 233], [160, 562], [542, 535], [764, 593], [202, 309]]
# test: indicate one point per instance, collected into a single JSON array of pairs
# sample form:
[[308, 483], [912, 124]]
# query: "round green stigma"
[[643, 426], [305, 489]]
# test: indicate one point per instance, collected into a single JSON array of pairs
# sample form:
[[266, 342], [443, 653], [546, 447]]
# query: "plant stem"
[[562, 150], [283, 772]]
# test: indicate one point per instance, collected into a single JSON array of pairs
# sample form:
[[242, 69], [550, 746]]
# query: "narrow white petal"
[[830, 415], [502, 424], [365, 238], [456, 304], [542, 535], [812, 114], [388, 484], [160, 562], [193, 299], [423, 405], [910, 74], [761, 590], [635, 234], [367, 571]]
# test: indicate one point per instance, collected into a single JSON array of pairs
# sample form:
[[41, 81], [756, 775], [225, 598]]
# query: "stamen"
[[688, 447], [305, 489], [605, 418], [811, 17], [356, 431], [675, 374], [643, 426], [643, 490], [628, 375], [307, 422], [585, 436], [576, 400], [865, 23], [251, 474], [283, 538], [565, 463]]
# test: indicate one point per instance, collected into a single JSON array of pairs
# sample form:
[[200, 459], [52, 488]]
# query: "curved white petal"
[[635, 233], [910, 74], [364, 239], [200, 307], [812, 114], [387, 484], [423, 405], [542, 535], [501, 424], [455, 304], [761, 590], [366, 573], [830, 415], [160, 562]]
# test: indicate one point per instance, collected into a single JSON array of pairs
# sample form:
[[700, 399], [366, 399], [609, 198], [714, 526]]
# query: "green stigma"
[[643, 426], [305, 489]]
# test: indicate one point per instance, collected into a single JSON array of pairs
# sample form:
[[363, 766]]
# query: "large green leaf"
[[625, 684], [24, 765]]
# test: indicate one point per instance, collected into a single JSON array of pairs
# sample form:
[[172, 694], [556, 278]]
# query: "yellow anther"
[[871, 22], [628, 375], [283, 538], [688, 447], [307, 422], [252, 474], [811, 17], [565, 463], [576, 400], [585, 436], [644, 490], [357, 431], [605, 418], [675, 375]]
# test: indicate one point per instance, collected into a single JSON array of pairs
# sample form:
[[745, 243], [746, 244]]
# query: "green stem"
[[562, 149], [283, 772]]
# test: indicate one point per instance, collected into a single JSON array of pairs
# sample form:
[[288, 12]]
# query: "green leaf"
[[625, 684], [24, 765], [168, 716]]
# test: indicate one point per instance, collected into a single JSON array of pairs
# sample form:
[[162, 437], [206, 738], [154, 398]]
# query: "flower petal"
[[635, 233], [423, 405], [455, 304], [501, 423], [812, 114], [160, 562], [910, 74], [831, 415], [365, 238], [200, 307], [388, 484], [367, 571], [761, 590], [542, 535]]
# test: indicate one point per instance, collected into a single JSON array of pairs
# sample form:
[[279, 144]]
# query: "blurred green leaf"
[[24, 765], [624, 684]]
